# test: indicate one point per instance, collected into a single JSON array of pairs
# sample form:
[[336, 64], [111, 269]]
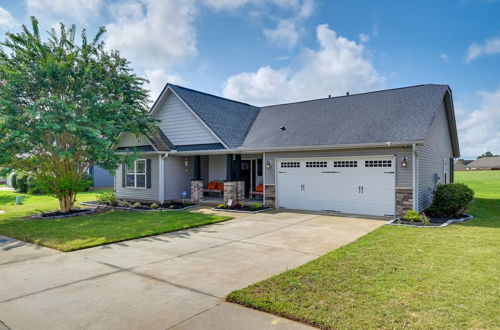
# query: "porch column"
[[229, 167], [238, 168], [197, 168]]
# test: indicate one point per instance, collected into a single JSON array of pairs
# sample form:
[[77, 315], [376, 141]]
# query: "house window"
[[378, 163], [345, 163], [290, 164], [136, 174], [316, 164]]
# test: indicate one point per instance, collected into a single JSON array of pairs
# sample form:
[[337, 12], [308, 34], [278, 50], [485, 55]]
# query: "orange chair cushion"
[[220, 186], [212, 185], [260, 188]]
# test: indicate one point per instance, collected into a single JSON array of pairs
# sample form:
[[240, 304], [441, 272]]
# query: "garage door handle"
[[388, 172], [362, 189]]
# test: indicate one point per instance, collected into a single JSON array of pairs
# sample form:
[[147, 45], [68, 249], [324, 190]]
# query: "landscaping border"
[[40, 217], [241, 211], [134, 209], [449, 222]]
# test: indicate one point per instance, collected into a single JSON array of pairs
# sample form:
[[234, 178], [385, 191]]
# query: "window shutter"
[[452, 170], [148, 173], [123, 175]]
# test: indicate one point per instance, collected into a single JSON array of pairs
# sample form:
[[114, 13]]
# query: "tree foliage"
[[487, 154], [63, 105]]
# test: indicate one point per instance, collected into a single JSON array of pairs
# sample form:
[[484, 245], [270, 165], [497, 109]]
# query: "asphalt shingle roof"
[[402, 114], [229, 119], [485, 162], [200, 147]]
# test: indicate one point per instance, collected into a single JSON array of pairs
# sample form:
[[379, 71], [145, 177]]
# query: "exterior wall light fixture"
[[268, 164], [404, 162]]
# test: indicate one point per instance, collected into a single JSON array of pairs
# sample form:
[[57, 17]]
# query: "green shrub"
[[424, 219], [136, 205], [154, 206], [123, 203], [88, 182], [188, 204], [108, 198], [22, 183], [451, 200], [13, 181], [34, 186], [411, 215], [256, 206], [221, 206]]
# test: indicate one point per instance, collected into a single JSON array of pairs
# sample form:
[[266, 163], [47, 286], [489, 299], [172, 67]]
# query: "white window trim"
[[135, 175]]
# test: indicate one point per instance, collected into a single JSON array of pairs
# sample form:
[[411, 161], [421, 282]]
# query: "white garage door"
[[346, 185]]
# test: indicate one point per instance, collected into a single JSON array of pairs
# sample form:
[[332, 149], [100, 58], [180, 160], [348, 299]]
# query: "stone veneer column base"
[[404, 200], [234, 190], [196, 190], [270, 193]]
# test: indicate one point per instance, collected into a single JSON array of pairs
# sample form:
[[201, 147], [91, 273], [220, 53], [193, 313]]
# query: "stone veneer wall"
[[270, 195], [234, 190], [196, 190], [404, 200]]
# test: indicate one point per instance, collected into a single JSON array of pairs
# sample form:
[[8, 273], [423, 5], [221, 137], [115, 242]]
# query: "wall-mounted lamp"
[[404, 162], [186, 162], [268, 164]]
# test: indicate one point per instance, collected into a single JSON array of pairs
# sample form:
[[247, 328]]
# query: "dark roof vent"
[[282, 128], [346, 93], [329, 95]]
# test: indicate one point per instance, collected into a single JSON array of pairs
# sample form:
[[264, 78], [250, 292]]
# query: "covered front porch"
[[219, 178]]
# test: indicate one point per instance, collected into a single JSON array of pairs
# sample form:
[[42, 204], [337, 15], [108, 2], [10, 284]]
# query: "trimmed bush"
[[154, 206], [451, 200], [136, 205], [256, 206], [108, 198], [88, 182], [221, 206], [22, 183]]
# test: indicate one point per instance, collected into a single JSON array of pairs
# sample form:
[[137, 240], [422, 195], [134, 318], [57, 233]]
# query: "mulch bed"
[[434, 221], [60, 215], [244, 209], [178, 206]]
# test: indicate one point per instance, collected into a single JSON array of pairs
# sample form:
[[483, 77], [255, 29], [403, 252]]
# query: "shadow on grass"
[[7, 200]]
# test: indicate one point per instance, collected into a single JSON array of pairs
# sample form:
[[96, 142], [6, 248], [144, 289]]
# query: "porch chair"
[[259, 191], [214, 187]]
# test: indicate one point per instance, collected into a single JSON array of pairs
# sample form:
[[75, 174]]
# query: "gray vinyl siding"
[[130, 140], [178, 176], [101, 177], [180, 125], [437, 147], [403, 175], [217, 167], [151, 194]]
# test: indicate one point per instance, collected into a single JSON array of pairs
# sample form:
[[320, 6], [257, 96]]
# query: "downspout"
[[264, 168], [161, 177], [414, 178]]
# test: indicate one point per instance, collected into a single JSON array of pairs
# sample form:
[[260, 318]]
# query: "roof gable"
[[229, 120]]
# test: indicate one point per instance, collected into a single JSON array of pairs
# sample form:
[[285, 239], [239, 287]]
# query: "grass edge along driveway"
[[398, 276], [73, 233]]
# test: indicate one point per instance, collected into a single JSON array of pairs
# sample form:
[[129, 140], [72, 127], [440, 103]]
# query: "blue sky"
[[272, 51]]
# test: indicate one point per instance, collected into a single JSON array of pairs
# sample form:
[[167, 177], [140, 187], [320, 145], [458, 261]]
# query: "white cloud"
[[337, 66], [444, 57], [153, 34], [479, 129], [364, 38], [158, 78], [286, 34], [81, 11], [6, 19], [489, 47], [306, 8]]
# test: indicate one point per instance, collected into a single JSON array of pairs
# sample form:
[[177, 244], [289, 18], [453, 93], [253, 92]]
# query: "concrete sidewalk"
[[169, 281]]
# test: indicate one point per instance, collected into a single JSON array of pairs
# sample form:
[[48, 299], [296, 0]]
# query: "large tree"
[[63, 104]]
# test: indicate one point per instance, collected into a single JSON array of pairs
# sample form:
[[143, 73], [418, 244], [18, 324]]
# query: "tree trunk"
[[66, 202]]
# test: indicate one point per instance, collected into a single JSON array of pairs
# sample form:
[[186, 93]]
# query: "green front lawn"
[[85, 231], [398, 277]]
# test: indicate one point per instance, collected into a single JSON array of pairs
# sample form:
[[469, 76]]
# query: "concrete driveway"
[[169, 281]]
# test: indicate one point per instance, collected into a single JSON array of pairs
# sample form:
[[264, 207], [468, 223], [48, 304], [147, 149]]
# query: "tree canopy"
[[63, 105]]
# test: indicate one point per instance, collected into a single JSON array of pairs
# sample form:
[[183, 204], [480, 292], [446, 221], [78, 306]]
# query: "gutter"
[[241, 150]]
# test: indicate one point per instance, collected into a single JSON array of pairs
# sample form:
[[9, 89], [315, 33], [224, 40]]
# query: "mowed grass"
[[85, 231], [398, 277]]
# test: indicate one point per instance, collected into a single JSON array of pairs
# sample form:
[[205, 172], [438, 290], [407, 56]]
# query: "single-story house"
[[377, 153], [460, 164], [484, 163]]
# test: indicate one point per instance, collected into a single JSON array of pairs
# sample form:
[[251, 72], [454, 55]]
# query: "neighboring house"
[[485, 163], [100, 177], [377, 153], [460, 164]]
